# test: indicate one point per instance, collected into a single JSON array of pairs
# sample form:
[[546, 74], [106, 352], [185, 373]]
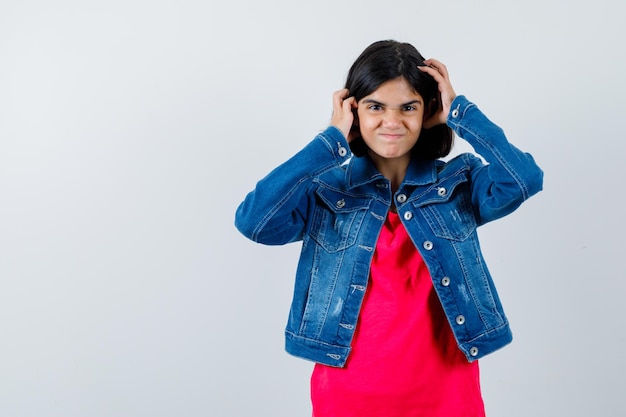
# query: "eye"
[[409, 107], [375, 107]]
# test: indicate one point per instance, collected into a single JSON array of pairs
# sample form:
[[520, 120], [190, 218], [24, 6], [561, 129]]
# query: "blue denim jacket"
[[336, 204]]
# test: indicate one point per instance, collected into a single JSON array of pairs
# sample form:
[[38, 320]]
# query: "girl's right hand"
[[343, 116]]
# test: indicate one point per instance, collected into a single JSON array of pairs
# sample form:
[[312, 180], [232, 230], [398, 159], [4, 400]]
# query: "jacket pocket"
[[447, 209], [337, 219]]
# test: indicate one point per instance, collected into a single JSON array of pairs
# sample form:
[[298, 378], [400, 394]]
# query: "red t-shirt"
[[404, 360]]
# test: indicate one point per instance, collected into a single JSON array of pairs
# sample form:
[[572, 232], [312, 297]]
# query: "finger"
[[440, 75], [341, 94], [438, 66], [338, 98], [349, 103], [433, 72], [342, 117]]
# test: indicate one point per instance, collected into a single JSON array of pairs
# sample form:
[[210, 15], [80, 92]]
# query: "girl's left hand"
[[440, 73]]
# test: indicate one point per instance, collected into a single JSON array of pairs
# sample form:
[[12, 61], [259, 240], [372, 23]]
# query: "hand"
[[343, 117], [440, 73]]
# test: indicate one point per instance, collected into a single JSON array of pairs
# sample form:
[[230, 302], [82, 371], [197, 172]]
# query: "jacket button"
[[455, 113], [474, 351], [428, 245], [401, 198], [460, 319], [342, 151], [442, 191], [408, 215], [445, 281], [341, 203]]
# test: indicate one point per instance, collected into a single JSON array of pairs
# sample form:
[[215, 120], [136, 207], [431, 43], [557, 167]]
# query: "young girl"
[[393, 300]]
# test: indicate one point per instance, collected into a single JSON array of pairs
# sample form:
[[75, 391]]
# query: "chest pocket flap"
[[447, 208], [337, 218]]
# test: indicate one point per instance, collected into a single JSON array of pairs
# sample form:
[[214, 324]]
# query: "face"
[[390, 120]]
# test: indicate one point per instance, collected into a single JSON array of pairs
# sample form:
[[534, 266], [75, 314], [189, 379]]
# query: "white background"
[[130, 131]]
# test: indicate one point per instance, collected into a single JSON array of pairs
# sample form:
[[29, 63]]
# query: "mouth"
[[391, 136]]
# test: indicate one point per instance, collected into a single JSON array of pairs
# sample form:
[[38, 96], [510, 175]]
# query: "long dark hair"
[[386, 60]]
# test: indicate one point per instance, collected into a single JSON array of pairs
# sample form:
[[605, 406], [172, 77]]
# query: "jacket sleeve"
[[275, 212], [509, 177]]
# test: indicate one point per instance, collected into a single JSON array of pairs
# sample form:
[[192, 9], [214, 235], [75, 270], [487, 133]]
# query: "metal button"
[[460, 319], [442, 191], [445, 281], [341, 203], [428, 245], [474, 351], [408, 215], [342, 151], [455, 113], [401, 198]]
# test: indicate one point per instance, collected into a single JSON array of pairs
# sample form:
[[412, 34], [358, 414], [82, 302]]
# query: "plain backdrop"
[[131, 130]]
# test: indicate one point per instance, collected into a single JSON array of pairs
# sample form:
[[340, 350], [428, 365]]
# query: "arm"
[[510, 175], [275, 212]]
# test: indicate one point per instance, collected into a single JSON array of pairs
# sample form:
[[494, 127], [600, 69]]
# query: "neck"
[[392, 169]]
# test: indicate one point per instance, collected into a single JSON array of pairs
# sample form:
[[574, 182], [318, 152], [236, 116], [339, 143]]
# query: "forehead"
[[396, 91]]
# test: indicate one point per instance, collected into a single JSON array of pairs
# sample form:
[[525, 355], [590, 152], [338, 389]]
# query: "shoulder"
[[463, 162]]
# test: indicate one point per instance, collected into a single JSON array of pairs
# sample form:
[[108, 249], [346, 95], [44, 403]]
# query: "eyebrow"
[[371, 101]]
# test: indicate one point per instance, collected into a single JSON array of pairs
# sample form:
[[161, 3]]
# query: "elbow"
[[243, 223], [534, 181]]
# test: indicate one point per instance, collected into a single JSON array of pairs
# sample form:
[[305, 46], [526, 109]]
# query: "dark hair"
[[386, 60]]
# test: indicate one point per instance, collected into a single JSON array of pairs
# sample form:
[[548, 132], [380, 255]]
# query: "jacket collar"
[[361, 171]]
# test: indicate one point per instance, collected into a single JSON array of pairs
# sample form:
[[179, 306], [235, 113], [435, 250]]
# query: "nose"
[[391, 119]]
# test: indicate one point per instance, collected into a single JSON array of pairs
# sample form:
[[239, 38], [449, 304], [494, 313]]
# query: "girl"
[[393, 300]]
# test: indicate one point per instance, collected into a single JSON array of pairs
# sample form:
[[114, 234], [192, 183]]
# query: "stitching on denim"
[[263, 222], [495, 151]]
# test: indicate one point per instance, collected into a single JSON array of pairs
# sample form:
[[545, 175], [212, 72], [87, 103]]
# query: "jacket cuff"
[[337, 143], [459, 106]]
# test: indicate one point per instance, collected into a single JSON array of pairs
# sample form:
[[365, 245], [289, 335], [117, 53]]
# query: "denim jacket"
[[336, 204]]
